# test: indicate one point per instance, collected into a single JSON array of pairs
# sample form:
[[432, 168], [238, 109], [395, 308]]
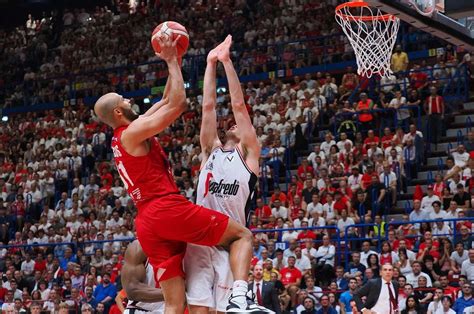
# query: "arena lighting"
[[221, 89], [5, 118], [146, 100]]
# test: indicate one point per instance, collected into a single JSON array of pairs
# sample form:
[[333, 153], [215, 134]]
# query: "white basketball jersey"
[[158, 307], [226, 184]]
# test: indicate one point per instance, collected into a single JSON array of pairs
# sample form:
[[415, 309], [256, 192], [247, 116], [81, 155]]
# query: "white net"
[[371, 33]]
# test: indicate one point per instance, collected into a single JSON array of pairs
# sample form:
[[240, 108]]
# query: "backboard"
[[453, 20]]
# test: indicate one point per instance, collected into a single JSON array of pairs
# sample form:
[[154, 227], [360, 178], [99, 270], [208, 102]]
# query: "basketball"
[[173, 29]]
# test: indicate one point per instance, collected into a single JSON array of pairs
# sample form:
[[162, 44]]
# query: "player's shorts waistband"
[[161, 198]]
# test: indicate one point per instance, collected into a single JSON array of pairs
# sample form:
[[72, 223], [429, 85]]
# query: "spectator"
[[428, 200], [279, 211], [399, 61], [325, 256], [399, 103], [105, 292], [326, 307], [345, 300], [412, 278], [467, 267], [309, 306], [434, 107], [465, 300], [364, 106]]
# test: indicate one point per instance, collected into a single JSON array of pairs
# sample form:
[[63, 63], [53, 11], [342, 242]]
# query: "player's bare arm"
[[248, 137], [208, 135], [133, 138], [164, 100], [134, 276]]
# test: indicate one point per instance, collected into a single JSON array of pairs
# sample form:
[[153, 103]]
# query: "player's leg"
[[173, 292], [199, 269], [223, 279], [239, 241], [166, 257]]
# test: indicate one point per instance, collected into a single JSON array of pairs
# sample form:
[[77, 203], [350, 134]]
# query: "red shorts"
[[165, 225]]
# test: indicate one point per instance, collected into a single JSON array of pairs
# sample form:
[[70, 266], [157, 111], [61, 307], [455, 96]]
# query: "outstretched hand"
[[212, 55], [168, 48], [224, 53]]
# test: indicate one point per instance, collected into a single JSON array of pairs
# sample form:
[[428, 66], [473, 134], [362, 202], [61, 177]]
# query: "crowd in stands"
[[59, 190], [52, 59]]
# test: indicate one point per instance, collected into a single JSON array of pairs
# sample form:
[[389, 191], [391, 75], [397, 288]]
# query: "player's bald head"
[[105, 105]]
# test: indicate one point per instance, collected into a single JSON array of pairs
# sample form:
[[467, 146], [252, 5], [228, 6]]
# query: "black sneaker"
[[251, 307]]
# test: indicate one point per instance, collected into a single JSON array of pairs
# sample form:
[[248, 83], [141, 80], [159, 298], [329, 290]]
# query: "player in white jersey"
[[138, 280], [226, 182]]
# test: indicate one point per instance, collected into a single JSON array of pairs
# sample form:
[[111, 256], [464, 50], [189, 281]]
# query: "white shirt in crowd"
[[303, 263], [427, 202], [467, 269], [280, 212], [413, 279], [460, 160], [314, 207]]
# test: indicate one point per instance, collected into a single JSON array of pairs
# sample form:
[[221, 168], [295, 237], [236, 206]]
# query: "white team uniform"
[[142, 307], [226, 184]]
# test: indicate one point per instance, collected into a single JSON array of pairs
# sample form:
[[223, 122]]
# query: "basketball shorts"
[[158, 310], [137, 311], [208, 277], [164, 226]]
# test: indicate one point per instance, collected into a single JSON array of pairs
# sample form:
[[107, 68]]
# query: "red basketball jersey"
[[145, 177]]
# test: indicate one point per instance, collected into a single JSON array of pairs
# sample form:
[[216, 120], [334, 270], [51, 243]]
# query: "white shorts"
[[137, 311], [209, 279], [144, 308]]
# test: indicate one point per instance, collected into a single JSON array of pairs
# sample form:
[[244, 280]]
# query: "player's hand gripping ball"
[[173, 29]]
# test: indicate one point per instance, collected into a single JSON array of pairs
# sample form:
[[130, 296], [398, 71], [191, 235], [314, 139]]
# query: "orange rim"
[[360, 4]]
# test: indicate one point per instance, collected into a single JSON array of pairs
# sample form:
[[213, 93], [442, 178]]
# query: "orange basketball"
[[172, 29]]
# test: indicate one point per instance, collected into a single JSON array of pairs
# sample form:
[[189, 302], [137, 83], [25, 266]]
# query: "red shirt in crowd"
[[366, 179], [41, 266], [369, 141], [418, 79], [302, 170], [263, 212], [281, 197], [341, 204], [3, 291], [306, 234], [290, 275], [386, 139]]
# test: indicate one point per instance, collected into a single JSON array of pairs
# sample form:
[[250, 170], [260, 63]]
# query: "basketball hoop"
[[428, 7], [371, 33]]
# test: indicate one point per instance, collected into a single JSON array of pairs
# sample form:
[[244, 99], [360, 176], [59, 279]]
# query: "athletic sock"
[[239, 291]]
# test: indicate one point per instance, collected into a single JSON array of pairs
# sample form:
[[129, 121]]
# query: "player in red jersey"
[[166, 221]]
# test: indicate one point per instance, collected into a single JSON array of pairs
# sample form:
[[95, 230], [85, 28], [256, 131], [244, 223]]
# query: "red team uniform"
[[166, 220]]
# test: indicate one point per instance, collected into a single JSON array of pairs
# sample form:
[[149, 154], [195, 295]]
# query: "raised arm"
[[208, 135], [147, 126], [248, 136], [134, 276], [163, 101]]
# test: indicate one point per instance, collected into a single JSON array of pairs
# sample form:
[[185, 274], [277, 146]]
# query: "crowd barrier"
[[345, 243]]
